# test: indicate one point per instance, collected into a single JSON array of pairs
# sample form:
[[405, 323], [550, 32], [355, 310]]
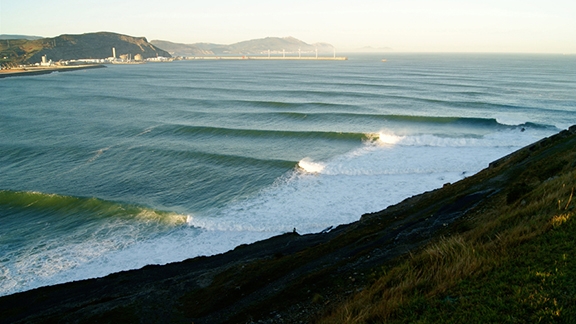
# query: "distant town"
[[121, 59]]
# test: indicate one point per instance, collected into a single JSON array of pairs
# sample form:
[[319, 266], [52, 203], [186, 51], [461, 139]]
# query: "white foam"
[[388, 138], [511, 119], [367, 179], [307, 165], [507, 138], [84, 253]]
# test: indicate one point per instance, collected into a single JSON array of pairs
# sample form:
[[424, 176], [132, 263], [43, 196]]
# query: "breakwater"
[[46, 70]]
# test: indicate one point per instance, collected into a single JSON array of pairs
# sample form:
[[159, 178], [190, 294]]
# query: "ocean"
[[111, 169]]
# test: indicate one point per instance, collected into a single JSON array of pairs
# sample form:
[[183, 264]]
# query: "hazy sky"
[[542, 26]]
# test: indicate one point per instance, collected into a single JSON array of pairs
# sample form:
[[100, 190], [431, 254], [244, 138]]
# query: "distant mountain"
[[5, 36], [276, 44], [70, 47], [177, 49], [249, 47]]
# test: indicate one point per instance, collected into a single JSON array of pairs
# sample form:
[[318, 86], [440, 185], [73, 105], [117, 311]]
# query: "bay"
[[111, 169]]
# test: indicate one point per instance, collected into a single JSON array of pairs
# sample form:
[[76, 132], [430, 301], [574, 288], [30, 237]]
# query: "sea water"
[[111, 169]]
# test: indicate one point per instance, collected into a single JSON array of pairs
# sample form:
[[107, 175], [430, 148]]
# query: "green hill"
[[70, 47]]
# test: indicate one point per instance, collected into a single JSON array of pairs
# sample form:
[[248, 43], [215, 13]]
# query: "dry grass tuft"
[[560, 219], [446, 262]]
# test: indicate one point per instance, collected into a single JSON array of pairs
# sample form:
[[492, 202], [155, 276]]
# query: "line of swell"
[[109, 98], [261, 133], [226, 103], [489, 122], [413, 119], [62, 206], [226, 159], [313, 104]]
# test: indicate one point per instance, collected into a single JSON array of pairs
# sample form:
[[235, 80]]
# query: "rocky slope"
[[292, 278]]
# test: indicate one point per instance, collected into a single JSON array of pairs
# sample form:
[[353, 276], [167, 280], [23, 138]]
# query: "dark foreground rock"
[[291, 278]]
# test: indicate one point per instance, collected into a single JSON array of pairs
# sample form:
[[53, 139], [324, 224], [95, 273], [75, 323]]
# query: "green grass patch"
[[512, 263], [535, 283]]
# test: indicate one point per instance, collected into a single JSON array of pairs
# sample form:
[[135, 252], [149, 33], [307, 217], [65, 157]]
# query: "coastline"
[[26, 71], [300, 278], [46, 70]]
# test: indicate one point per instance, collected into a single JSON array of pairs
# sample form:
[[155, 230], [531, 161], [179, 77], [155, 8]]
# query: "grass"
[[512, 263]]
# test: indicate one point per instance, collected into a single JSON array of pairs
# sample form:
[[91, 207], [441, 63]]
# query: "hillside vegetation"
[[511, 261]]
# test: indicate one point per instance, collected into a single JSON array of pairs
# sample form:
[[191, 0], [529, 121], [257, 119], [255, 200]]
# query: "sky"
[[508, 26]]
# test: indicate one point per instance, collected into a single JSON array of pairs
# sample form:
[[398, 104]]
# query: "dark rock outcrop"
[[291, 277]]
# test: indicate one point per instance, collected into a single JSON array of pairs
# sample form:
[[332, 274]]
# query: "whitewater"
[[113, 169]]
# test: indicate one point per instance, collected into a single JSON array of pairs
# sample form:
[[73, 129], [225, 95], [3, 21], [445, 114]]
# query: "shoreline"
[[46, 70], [26, 71]]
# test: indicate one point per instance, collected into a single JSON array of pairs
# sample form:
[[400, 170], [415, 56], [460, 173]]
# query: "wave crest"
[[308, 166], [61, 206]]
